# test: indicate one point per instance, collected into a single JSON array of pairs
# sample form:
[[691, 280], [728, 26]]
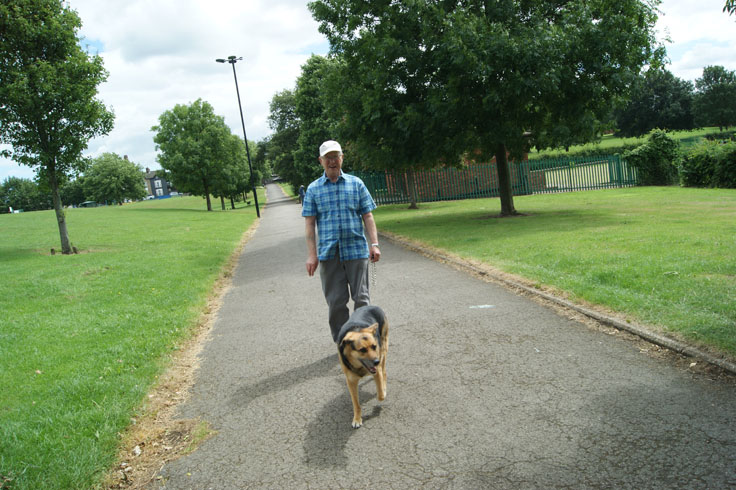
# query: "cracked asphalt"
[[486, 389]]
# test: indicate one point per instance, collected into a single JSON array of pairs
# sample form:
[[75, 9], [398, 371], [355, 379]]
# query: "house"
[[157, 186]]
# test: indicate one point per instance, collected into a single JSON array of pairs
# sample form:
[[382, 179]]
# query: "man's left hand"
[[375, 253]]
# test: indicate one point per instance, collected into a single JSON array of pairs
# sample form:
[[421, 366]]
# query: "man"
[[339, 207]]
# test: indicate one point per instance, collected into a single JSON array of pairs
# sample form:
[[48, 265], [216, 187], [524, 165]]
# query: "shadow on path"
[[284, 381], [329, 433]]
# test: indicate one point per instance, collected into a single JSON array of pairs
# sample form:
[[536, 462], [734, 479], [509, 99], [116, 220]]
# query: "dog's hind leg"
[[381, 388]]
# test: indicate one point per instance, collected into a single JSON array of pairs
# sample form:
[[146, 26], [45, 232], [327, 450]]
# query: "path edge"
[[631, 327]]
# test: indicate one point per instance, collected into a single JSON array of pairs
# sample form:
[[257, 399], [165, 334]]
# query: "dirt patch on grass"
[[156, 437]]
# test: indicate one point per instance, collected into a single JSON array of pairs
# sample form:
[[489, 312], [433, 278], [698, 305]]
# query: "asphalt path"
[[486, 389]]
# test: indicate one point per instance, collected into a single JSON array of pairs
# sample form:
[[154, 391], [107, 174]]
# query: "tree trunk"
[[66, 248], [207, 195], [411, 191], [504, 181], [232, 202], [222, 202]]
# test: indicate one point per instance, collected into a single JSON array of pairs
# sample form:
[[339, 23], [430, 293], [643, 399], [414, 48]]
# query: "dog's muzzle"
[[370, 365]]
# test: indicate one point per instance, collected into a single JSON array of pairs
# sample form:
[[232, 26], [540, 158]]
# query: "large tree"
[[658, 100], [48, 89], [194, 147], [112, 178], [433, 80], [715, 99]]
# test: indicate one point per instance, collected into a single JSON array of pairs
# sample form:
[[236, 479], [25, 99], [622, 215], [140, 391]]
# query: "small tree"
[[193, 141], [48, 89], [111, 178]]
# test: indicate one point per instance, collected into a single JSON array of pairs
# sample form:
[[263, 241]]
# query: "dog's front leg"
[[380, 384], [352, 382]]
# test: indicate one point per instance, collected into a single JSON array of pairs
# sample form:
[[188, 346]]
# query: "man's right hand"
[[312, 263]]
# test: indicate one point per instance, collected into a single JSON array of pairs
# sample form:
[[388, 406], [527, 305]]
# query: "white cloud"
[[696, 56], [701, 34], [688, 20]]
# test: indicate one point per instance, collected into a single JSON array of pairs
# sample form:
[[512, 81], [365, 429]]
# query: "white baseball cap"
[[329, 146]]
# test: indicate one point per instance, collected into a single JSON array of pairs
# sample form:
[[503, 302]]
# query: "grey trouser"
[[340, 282]]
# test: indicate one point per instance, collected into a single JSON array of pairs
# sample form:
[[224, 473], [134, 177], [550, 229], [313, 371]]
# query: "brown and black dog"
[[362, 345]]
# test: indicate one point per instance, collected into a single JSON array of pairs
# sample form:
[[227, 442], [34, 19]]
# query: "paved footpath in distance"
[[486, 389]]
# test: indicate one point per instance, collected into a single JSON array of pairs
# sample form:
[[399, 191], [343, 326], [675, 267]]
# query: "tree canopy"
[[430, 81], [22, 195], [282, 144], [730, 7], [114, 179], [658, 100], [48, 89], [715, 100], [194, 146], [317, 123]]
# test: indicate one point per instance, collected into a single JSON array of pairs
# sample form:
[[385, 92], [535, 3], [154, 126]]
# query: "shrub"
[[709, 164], [696, 167], [656, 160], [725, 172], [585, 151]]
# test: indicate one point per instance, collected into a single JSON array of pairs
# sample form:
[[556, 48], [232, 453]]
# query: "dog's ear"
[[345, 344], [374, 330]]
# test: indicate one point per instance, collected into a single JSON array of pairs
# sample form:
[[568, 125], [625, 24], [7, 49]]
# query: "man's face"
[[332, 163]]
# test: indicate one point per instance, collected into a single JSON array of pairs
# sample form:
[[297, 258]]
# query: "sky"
[[160, 54]]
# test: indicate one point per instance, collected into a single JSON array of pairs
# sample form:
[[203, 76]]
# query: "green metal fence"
[[475, 181]]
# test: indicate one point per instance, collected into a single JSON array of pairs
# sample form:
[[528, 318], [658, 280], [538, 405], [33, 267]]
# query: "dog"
[[362, 345]]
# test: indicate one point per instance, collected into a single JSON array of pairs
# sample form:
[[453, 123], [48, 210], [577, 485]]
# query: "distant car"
[[148, 198], [87, 204], [174, 194]]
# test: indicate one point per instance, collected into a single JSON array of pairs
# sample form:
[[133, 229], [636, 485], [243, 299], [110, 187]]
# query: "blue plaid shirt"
[[339, 209]]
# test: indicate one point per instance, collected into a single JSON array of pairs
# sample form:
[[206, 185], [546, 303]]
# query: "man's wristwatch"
[[374, 245]]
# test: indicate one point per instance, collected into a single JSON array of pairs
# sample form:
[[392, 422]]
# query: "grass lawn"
[[661, 256], [82, 337], [686, 138]]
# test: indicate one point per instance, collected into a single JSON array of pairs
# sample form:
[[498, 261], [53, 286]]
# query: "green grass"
[[686, 138], [288, 189], [82, 337], [660, 256]]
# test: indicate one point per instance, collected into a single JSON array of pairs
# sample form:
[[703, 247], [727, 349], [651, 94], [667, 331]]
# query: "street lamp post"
[[232, 60]]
